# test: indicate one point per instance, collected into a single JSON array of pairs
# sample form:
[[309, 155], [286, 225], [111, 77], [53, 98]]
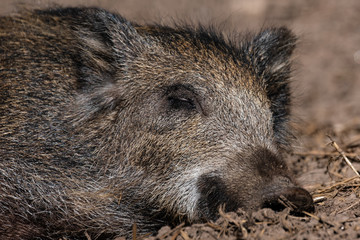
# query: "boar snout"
[[259, 180], [277, 197], [277, 187]]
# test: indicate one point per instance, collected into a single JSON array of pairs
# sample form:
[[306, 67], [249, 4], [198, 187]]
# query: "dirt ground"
[[326, 87]]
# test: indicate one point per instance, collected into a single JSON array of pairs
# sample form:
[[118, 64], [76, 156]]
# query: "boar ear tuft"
[[106, 43], [106, 46], [269, 55]]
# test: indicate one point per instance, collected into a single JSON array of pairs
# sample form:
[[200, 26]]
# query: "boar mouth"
[[295, 198], [212, 196]]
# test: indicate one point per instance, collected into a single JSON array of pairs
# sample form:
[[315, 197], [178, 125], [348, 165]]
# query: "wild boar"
[[105, 123]]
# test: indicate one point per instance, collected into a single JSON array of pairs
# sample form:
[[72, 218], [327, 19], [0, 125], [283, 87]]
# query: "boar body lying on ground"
[[105, 124]]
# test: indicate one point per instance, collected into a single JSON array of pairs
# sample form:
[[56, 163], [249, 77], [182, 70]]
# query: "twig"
[[184, 235], [286, 203], [349, 207], [342, 153], [311, 215], [324, 154], [174, 230], [319, 199], [87, 236], [336, 185], [321, 220], [177, 233], [134, 229]]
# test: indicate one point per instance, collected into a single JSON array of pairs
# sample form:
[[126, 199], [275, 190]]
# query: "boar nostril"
[[297, 199]]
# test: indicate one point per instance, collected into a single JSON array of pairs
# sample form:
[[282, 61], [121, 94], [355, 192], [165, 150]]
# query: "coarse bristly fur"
[[105, 124]]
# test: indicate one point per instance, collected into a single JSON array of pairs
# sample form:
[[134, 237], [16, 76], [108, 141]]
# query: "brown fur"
[[105, 124]]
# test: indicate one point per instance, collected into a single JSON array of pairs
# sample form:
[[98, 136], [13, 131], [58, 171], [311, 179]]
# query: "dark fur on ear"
[[105, 45], [269, 55]]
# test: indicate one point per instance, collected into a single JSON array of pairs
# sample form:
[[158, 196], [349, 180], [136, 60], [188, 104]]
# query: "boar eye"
[[181, 103], [181, 97]]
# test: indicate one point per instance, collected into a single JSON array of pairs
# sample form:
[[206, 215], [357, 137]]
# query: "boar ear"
[[269, 55], [107, 43]]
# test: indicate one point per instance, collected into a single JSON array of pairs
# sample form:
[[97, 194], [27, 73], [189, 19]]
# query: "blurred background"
[[326, 81]]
